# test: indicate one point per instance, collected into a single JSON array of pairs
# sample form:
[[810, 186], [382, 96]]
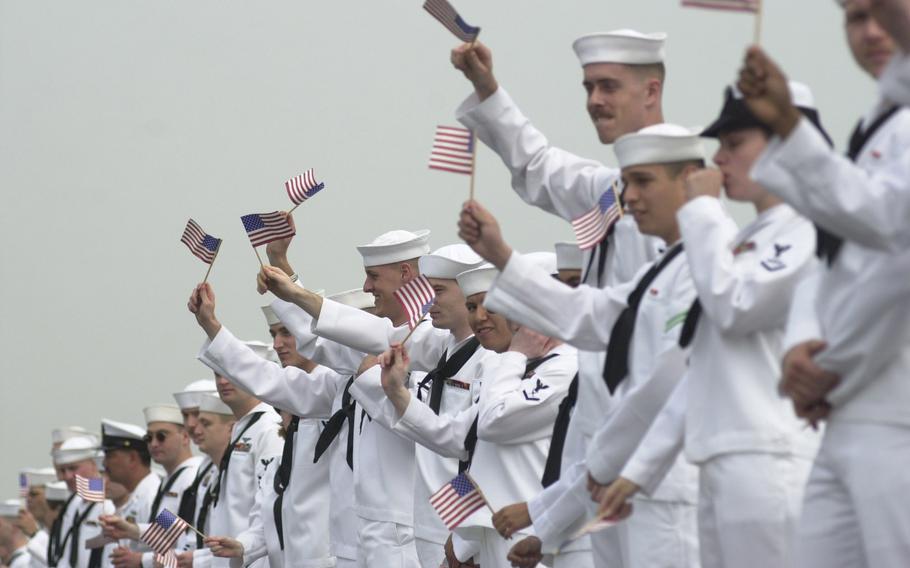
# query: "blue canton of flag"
[[90, 488]]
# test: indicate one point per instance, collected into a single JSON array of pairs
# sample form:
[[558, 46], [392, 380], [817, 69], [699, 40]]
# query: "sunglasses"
[[160, 436]]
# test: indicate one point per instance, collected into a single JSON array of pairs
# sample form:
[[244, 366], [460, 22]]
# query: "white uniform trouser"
[[606, 547], [856, 511], [748, 509], [386, 544], [430, 553], [345, 563], [574, 559], [660, 534]]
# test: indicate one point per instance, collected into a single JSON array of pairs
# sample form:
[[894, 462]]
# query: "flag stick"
[[195, 530], [294, 207], [758, 17], [487, 503], [408, 336], [209, 271], [258, 257], [473, 165]]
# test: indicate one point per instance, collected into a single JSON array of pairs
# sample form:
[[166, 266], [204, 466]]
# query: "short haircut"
[[648, 70], [674, 169]]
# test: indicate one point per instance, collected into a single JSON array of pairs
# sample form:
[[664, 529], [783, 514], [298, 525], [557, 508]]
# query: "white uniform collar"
[[771, 215]]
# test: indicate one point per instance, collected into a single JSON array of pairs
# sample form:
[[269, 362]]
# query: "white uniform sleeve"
[[333, 355], [371, 334], [620, 435], [367, 391], [582, 316], [253, 538], [742, 299], [513, 410], [661, 445], [554, 180], [37, 547], [463, 548], [202, 558], [441, 433], [802, 321], [869, 209], [895, 80], [308, 395]]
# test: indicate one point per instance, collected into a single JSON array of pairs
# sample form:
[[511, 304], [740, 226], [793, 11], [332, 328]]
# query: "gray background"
[[119, 119]]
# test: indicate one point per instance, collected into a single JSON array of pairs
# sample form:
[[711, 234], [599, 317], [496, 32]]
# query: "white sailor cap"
[[122, 436], [544, 259], [56, 491], [395, 246], [659, 144], [628, 47], [568, 256], [77, 449], [477, 280], [271, 318], [36, 477], [189, 397], [212, 403], [263, 349], [10, 508], [61, 435], [356, 298], [162, 413], [449, 261]]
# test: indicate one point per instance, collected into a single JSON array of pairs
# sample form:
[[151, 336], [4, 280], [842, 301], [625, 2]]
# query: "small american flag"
[[302, 187], [90, 488], [457, 500], [164, 532], [416, 297], [168, 560], [23, 485], [447, 16], [200, 243], [592, 227], [264, 228], [733, 5], [453, 150]]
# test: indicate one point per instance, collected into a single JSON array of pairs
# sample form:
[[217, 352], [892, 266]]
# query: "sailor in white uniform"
[[33, 517], [856, 511], [296, 516], [753, 453], [639, 321], [78, 521], [384, 468]]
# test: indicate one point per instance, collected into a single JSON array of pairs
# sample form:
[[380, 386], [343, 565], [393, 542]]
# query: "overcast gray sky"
[[120, 119]]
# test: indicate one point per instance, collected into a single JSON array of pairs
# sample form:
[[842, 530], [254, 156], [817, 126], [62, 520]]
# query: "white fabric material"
[[429, 552], [386, 543], [514, 424], [76, 449], [212, 403], [660, 534], [139, 506], [188, 397], [568, 256], [449, 261], [556, 181], [860, 309], [90, 528], [37, 548], [621, 46], [121, 429], [356, 298], [745, 279], [856, 511], [258, 450], [658, 144], [306, 504], [163, 413], [749, 508], [477, 280]]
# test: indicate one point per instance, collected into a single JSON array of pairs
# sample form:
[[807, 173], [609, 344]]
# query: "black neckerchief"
[[54, 550], [187, 508], [162, 490], [226, 458], [336, 422], [828, 244], [558, 440], [470, 441], [616, 365], [445, 369], [283, 476]]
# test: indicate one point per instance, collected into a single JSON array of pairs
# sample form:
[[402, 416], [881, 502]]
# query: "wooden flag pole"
[[294, 207], [758, 18], [484, 497], [195, 530], [258, 257], [214, 258], [408, 336]]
